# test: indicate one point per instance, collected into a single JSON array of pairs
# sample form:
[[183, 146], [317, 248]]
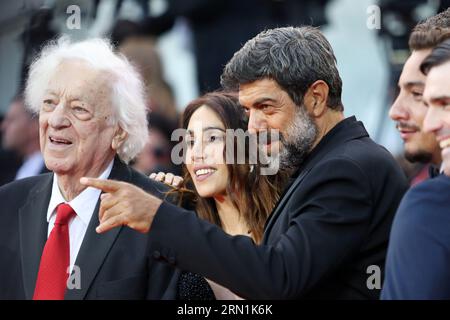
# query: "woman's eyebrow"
[[213, 128]]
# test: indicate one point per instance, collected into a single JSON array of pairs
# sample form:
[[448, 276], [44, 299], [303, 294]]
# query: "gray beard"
[[298, 140]]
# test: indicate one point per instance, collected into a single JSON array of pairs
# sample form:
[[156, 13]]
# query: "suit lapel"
[[283, 201], [33, 228], [95, 247]]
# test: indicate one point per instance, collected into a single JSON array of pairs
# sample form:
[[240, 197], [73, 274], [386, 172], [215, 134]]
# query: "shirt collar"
[[83, 204]]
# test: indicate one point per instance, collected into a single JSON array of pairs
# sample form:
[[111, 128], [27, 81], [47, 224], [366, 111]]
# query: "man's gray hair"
[[294, 57], [128, 97]]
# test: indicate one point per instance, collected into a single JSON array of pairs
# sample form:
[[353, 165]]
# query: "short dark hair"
[[437, 57], [294, 57], [431, 32]]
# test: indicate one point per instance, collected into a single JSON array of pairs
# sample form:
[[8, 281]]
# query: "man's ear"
[[316, 98], [119, 138]]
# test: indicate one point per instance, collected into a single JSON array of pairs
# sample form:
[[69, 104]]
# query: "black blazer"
[[115, 265], [331, 224]]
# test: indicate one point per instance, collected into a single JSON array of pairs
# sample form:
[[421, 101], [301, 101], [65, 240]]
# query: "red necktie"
[[52, 277]]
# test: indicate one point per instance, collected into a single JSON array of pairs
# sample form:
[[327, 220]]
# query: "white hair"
[[127, 90]]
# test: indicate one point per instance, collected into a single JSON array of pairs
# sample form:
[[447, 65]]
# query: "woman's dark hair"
[[254, 195]]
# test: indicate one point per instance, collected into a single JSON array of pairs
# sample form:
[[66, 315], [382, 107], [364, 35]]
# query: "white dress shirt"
[[32, 166], [83, 205]]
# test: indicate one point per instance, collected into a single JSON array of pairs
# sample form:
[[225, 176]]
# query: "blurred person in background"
[[20, 134], [399, 17], [409, 110], [418, 260], [156, 155], [9, 160], [220, 27], [141, 50]]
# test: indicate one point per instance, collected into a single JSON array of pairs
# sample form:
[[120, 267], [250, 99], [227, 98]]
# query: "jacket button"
[[156, 254]]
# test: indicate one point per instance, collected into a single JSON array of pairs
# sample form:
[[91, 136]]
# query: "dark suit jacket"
[[115, 265], [331, 224], [418, 259]]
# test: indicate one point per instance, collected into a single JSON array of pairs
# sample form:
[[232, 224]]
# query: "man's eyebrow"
[[70, 98], [439, 98], [262, 100], [414, 83]]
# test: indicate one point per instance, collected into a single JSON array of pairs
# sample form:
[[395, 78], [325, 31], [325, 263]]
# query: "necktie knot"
[[64, 213]]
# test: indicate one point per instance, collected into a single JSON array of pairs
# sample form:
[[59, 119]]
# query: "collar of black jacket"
[[435, 170]]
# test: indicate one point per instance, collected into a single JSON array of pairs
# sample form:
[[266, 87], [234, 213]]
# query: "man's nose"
[[256, 122], [398, 110], [432, 121], [58, 117]]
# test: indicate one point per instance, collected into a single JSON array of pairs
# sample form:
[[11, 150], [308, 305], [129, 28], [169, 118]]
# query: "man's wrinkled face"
[[270, 108], [76, 120], [409, 112], [437, 120]]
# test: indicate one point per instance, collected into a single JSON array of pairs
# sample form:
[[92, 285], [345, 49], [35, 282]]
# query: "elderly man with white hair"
[[92, 122]]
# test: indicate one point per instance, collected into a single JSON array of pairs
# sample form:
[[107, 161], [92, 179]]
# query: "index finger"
[[104, 185]]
